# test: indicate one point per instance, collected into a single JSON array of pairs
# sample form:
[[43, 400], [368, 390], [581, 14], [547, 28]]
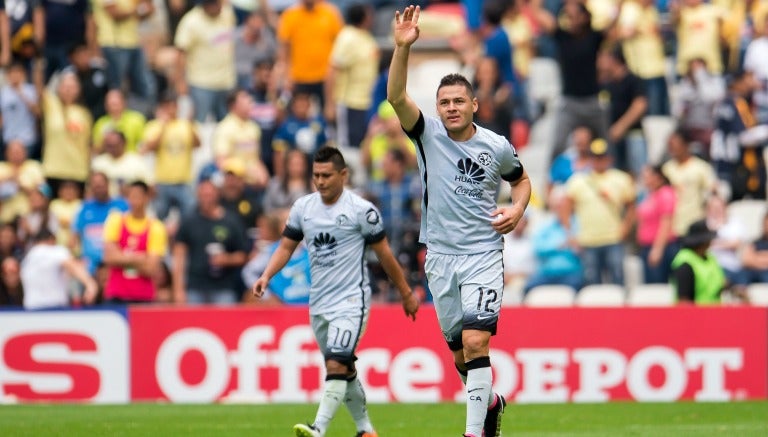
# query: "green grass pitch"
[[391, 420]]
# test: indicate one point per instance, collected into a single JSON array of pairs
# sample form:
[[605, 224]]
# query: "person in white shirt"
[[45, 273]]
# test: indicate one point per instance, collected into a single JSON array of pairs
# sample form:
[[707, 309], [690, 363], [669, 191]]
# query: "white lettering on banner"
[[169, 364], [55, 355], [675, 376], [417, 374], [599, 369], [713, 363], [543, 375], [412, 368]]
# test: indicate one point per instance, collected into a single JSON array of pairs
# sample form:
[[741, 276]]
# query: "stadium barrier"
[[547, 355]]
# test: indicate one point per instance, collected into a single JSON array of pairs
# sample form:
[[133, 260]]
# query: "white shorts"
[[467, 292], [338, 334]]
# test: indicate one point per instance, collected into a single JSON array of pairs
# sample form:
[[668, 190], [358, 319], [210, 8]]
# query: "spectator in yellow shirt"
[[172, 140], [698, 34], [129, 122], [18, 176]]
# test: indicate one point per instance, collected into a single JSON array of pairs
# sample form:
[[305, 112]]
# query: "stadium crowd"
[[151, 150]]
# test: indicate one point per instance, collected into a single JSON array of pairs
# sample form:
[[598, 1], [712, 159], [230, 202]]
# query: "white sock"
[[479, 381], [355, 402], [333, 396]]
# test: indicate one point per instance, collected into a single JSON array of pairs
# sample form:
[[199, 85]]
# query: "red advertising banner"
[[70, 356], [539, 355]]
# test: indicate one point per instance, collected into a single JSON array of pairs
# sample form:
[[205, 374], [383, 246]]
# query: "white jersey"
[[336, 236], [461, 182]]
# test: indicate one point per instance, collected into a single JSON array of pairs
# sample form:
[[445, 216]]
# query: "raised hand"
[[407, 26]]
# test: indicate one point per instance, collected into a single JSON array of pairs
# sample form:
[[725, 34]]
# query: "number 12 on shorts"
[[488, 296]]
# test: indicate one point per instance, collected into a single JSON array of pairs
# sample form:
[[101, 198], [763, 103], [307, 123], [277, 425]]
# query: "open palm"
[[407, 26]]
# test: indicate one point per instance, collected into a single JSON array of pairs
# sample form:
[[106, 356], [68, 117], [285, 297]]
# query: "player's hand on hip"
[[259, 286], [407, 26], [411, 305], [505, 220]]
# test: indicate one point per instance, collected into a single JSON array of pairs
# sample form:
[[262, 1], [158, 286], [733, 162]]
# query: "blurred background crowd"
[[151, 148]]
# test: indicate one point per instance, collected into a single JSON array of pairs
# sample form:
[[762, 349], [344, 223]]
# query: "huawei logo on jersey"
[[470, 172], [324, 241]]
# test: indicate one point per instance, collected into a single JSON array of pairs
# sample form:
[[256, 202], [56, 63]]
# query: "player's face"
[[328, 181], [456, 108]]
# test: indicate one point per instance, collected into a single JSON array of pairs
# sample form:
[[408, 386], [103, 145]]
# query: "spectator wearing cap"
[[209, 252], [117, 33], [172, 140], [88, 226], [628, 104], [385, 134], [300, 130], [693, 179], [92, 77], [67, 133], [121, 166], [206, 44], [351, 76], [306, 33], [237, 136], [134, 246], [18, 176], [45, 273], [238, 199], [20, 108], [738, 140], [118, 117], [696, 275], [578, 45], [602, 200]]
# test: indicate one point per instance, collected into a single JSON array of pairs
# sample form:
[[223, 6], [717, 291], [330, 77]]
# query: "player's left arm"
[[395, 273], [506, 218]]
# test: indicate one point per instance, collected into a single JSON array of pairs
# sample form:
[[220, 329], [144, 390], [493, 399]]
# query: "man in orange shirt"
[[306, 33]]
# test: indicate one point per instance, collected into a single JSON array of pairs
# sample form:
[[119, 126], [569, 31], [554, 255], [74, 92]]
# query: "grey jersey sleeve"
[[511, 168], [371, 226], [293, 229]]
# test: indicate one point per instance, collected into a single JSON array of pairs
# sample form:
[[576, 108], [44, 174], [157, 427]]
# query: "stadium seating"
[[750, 214], [758, 294], [633, 271], [601, 295], [651, 295], [550, 296]]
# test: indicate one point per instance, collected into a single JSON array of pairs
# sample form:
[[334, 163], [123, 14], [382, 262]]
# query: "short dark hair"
[[356, 13], [330, 154], [139, 184], [683, 135], [117, 132], [456, 79], [44, 234], [232, 96], [493, 11], [617, 54]]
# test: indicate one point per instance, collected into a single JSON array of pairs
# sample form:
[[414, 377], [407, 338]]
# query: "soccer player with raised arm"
[[462, 166], [337, 226]]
